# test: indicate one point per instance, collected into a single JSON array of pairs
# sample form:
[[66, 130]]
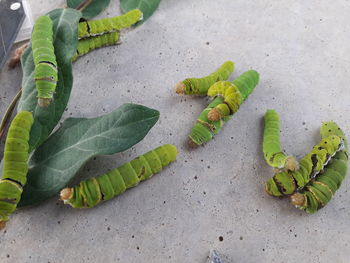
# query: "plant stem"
[[83, 5], [8, 113]]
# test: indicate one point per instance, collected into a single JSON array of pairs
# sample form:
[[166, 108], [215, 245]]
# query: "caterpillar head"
[[66, 194], [298, 200], [180, 88], [291, 164]]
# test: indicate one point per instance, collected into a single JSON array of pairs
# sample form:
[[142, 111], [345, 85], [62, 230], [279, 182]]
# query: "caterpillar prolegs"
[[95, 190], [271, 144], [88, 44], [108, 25], [204, 129], [234, 93], [320, 191], [287, 182], [200, 86], [44, 60], [15, 168]]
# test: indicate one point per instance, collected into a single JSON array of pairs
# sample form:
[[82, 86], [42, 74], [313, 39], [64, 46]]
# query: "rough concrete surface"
[[302, 51]]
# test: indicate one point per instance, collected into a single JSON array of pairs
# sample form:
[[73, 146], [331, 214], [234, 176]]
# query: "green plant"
[[104, 187]]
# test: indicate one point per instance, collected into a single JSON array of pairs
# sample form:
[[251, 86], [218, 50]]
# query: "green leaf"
[[56, 161], [65, 29], [146, 6], [92, 9]]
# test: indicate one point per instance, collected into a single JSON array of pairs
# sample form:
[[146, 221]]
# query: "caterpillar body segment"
[[287, 182], [271, 144], [89, 44], [95, 190], [15, 168], [320, 191], [108, 25], [232, 99], [205, 129], [44, 60], [234, 93], [200, 86], [207, 126]]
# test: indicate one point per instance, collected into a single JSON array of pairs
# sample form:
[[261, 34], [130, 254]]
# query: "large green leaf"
[[57, 160], [65, 29], [146, 6], [92, 9]]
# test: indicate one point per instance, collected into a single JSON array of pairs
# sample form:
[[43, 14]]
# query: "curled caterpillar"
[[88, 44], [287, 182], [271, 144], [95, 190], [108, 25], [15, 168], [44, 60], [320, 191], [200, 86], [204, 129], [234, 93]]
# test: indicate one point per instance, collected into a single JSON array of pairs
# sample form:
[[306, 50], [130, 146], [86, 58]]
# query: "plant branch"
[[16, 58], [8, 113]]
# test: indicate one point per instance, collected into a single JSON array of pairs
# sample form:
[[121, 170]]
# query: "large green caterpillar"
[[107, 25], [287, 182], [233, 95], [271, 144], [200, 86], [319, 192], [95, 190], [204, 129], [88, 44], [15, 168], [44, 60]]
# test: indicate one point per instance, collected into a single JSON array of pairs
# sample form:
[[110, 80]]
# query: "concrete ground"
[[212, 196]]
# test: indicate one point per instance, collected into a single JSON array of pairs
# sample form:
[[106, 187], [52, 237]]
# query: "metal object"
[[11, 18]]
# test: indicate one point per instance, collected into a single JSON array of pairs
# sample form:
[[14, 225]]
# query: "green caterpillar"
[[44, 60], [108, 25], [200, 86], [287, 182], [204, 129], [320, 191], [271, 144], [233, 95], [15, 164], [88, 44], [95, 190]]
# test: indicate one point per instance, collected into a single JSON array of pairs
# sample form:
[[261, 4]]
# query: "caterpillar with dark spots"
[[200, 86], [271, 144], [107, 25], [44, 60], [287, 182], [15, 169], [91, 192], [234, 93], [317, 193], [205, 129], [89, 44]]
